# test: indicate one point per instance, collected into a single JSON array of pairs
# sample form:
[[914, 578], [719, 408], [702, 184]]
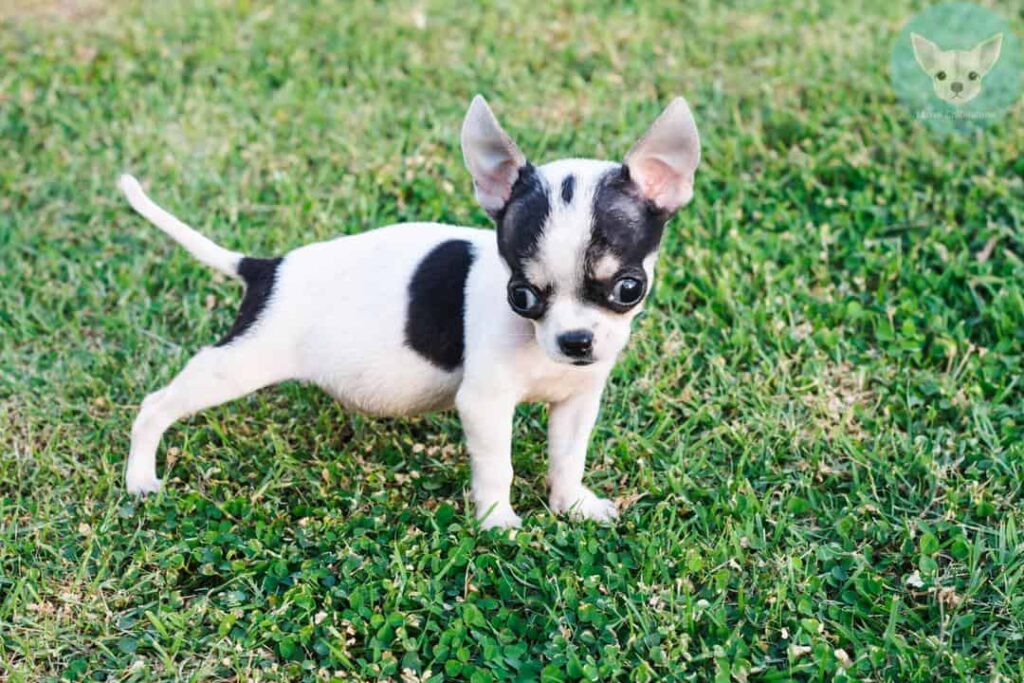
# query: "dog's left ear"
[[988, 52], [664, 160], [490, 155]]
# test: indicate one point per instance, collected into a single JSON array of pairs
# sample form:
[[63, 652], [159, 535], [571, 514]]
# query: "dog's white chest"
[[549, 382]]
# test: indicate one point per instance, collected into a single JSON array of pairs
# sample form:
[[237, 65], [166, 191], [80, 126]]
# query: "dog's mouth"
[[582, 362]]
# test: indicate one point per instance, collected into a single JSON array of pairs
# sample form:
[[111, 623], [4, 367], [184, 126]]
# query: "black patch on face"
[[600, 292], [259, 275], [521, 221], [543, 297], [627, 226], [625, 222], [435, 326], [568, 187]]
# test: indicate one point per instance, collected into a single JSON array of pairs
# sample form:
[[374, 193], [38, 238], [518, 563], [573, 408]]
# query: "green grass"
[[817, 429]]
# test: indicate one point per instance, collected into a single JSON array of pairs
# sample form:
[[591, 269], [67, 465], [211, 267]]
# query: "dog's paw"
[[499, 517], [585, 504], [141, 484]]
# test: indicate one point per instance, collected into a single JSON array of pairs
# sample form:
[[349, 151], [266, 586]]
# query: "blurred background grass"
[[816, 432]]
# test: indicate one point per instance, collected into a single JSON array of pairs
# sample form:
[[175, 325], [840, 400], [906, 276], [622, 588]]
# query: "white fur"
[[337, 316]]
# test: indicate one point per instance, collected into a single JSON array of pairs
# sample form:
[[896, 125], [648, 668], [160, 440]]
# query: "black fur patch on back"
[[259, 274], [521, 221], [568, 187], [434, 327]]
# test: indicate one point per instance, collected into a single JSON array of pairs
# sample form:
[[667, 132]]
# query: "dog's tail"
[[203, 248]]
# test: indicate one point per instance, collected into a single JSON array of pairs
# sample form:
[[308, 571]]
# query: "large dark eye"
[[941, 75], [973, 75], [524, 300], [627, 291]]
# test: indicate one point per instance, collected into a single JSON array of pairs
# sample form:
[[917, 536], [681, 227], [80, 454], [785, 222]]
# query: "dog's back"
[[377, 319]]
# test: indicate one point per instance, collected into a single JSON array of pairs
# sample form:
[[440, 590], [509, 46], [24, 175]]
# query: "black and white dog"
[[423, 316]]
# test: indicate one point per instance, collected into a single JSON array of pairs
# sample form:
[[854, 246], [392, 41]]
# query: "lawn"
[[815, 434]]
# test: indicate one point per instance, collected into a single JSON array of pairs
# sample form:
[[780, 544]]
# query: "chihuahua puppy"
[[956, 74], [422, 316]]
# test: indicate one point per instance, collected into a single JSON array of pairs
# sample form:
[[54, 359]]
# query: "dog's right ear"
[[925, 52], [490, 155]]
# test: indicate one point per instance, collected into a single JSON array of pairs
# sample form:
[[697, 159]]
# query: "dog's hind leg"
[[215, 375]]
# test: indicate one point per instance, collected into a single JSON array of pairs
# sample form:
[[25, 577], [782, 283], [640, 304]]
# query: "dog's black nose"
[[576, 343], [956, 86]]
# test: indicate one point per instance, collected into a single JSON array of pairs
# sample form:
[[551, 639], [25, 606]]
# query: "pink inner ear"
[[663, 186], [499, 181]]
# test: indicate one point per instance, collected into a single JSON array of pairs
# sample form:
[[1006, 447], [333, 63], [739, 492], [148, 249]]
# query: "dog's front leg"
[[569, 425], [487, 423]]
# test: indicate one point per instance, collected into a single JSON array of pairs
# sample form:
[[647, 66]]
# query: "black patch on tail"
[[435, 325], [259, 274]]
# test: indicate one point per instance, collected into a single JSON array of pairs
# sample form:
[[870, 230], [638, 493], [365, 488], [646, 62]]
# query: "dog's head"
[[956, 74], [580, 237]]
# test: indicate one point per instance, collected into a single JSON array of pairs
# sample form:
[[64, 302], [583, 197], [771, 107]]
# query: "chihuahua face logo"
[[956, 74]]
